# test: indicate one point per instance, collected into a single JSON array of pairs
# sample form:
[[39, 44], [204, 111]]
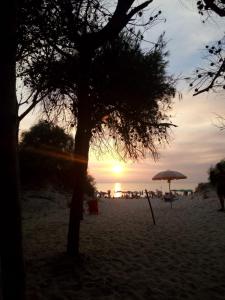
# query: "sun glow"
[[117, 169]]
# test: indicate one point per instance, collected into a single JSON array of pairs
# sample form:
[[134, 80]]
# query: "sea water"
[[117, 187]]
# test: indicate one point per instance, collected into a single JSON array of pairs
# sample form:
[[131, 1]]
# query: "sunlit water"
[[117, 188]]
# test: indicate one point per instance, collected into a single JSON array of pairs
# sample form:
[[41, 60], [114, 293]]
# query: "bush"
[[45, 153], [203, 187]]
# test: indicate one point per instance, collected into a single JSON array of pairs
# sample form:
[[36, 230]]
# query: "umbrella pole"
[[150, 205], [171, 205]]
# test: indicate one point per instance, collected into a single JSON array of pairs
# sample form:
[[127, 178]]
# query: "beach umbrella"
[[169, 175]]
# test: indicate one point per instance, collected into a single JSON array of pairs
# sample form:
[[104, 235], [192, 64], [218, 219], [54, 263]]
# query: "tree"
[[45, 134], [211, 76], [113, 109], [71, 34], [11, 259], [46, 149], [76, 50], [215, 170]]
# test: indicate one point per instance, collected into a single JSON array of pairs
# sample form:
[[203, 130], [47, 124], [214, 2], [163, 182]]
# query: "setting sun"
[[117, 169]]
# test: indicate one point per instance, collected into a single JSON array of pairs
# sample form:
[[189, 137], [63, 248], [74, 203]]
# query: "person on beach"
[[217, 178]]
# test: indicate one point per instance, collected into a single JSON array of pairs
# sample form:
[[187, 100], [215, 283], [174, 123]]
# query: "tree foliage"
[[207, 7], [210, 77], [45, 134], [129, 95], [66, 47], [68, 29]]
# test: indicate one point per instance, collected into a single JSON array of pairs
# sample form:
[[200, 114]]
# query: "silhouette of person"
[[218, 178]]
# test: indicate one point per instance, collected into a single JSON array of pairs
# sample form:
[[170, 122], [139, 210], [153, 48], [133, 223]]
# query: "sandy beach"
[[126, 256]]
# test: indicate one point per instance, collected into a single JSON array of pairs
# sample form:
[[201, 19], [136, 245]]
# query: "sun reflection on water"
[[117, 190]]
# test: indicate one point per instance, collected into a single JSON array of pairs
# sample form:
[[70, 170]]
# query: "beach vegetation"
[[203, 187]]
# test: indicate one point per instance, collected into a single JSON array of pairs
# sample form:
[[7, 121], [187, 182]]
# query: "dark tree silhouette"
[[46, 134], [214, 171], [211, 76], [217, 178], [129, 96], [71, 34], [46, 149], [209, 6], [11, 260], [65, 29]]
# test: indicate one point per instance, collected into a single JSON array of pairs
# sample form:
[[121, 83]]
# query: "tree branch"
[[138, 8], [212, 82], [33, 104], [118, 21], [211, 5]]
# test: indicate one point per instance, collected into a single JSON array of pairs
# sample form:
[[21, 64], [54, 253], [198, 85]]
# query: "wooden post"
[[150, 205], [171, 200]]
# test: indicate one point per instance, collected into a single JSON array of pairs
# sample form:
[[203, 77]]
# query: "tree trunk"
[[11, 254], [81, 150], [82, 139]]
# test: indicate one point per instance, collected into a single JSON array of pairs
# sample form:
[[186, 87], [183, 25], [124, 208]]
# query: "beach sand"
[[126, 256]]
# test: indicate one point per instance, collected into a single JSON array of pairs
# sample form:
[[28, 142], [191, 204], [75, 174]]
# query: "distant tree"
[[45, 158], [203, 187], [45, 155], [12, 285], [47, 135]]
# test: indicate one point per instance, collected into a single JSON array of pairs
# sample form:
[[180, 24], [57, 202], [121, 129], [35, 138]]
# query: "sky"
[[196, 144]]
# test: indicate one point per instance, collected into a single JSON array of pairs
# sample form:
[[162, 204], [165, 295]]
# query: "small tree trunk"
[[81, 151], [11, 259]]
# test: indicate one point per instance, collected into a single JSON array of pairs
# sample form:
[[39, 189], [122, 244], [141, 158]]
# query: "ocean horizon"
[[161, 185]]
